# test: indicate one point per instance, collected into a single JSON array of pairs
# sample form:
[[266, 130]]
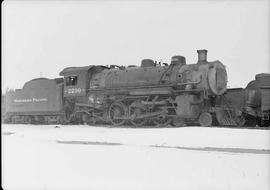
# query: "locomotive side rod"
[[143, 116]]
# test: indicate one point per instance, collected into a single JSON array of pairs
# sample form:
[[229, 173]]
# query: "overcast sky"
[[40, 38]]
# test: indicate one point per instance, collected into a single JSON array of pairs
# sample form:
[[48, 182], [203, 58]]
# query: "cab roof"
[[74, 69]]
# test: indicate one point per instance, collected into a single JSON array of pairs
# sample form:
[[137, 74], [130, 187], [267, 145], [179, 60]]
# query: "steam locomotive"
[[150, 94]]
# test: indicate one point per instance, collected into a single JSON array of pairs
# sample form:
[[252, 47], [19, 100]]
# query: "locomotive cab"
[[76, 80]]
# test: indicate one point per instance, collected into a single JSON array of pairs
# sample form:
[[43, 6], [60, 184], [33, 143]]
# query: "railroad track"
[[237, 127], [170, 126]]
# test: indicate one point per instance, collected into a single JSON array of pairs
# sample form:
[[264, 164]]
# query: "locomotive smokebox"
[[202, 56], [178, 60]]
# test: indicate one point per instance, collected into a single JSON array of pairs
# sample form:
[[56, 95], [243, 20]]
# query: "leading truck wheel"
[[205, 119]]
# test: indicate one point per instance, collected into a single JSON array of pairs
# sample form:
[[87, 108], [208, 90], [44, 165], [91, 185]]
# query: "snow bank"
[[32, 159], [183, 137]]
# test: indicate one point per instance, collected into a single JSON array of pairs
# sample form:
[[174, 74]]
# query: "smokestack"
[[202, 56]]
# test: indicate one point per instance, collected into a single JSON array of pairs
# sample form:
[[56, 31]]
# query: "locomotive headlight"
[[217, 78]]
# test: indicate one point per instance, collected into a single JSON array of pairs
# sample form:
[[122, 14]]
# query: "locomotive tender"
[[152, 93], [40, 100]]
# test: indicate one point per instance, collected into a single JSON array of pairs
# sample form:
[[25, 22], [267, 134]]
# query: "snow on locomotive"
[[157, 94]]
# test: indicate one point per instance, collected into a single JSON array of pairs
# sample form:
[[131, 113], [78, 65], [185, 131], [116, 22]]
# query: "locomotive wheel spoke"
[[137, 111], [117, 112]]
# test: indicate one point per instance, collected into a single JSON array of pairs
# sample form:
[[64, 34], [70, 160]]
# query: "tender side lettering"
[[30, 100]]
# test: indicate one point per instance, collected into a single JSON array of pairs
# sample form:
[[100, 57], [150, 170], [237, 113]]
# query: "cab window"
[[71, 81]]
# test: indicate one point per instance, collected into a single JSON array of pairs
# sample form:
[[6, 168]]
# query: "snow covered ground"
[[101, 158]]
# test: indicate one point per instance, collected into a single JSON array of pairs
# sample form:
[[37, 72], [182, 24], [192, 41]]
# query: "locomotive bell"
[[178, 60], [202, 56]]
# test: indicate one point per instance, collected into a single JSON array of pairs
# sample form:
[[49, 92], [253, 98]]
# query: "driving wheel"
[[117, 113], [135, 112]]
